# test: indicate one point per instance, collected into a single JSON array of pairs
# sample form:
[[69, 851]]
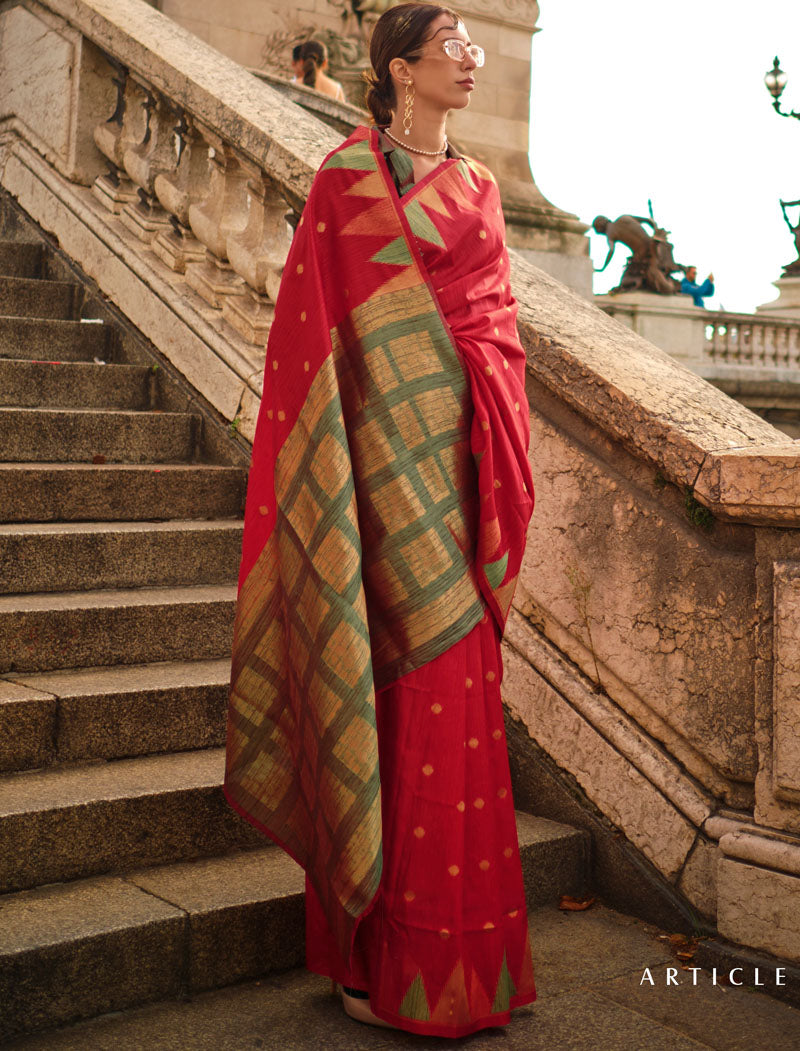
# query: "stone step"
[[112, 713], [79, 436], [76, 950], [47, 492], [35, 297], [76, 629], [64, 823], [20, 258], [47, 339], [72, 556], [75, 384]]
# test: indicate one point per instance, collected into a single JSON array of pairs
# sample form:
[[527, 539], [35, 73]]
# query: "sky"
[[634, 99]]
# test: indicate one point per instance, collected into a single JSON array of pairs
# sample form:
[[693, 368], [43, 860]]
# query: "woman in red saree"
[[387, 509]]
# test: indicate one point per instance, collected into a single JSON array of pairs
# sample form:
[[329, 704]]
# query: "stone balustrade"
[[652, 649], [703, 339], [752, 339]]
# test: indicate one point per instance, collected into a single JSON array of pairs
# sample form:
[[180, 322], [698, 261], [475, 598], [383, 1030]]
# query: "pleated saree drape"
[[388, 501]]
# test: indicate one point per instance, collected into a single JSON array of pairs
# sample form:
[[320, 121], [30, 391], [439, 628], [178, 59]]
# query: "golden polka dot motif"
[[483, 865], [488, 370], [473, 742], [514, 913], [427, 769], [516, 406], [436, 708], [497, 734], [274, 365], [505, 363], [488, 926], [299, 268], [263, 510], [303, 315], [281, 415], [490, 676], [320, 228], [468, 683], [496, 331], [507, 852], [409, 895], [444, 933], [419, 831], [479, 804], [485, 423], [502, 793], [454, 870], [306, 366], [482, 235], [460, 806], [497, 483], [270, 414]]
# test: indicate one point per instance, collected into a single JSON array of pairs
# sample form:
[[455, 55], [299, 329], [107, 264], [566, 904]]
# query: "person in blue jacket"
[[690, 287]]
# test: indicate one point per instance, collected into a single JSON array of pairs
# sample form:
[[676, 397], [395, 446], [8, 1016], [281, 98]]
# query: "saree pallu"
[[388, 499]]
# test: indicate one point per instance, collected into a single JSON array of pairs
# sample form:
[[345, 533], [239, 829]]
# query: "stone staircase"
[[125, 877]]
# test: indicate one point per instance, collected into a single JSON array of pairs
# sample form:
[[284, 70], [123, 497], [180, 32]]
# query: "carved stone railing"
[[652, 651], [705, 339], [752, 339]]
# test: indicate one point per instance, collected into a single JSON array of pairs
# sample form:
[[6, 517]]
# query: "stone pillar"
[[788, 302], [495, 128]]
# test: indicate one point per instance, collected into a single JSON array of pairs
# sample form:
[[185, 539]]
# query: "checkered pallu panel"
[[408, 409], [378, 514]]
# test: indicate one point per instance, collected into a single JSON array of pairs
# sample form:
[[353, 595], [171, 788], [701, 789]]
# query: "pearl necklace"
[[413, 149]]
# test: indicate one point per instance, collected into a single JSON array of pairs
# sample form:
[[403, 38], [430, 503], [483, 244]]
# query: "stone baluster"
[[153, 154], [793, 348], [758, 349], [782, 346], [775, 336], [114, 189], [739, 337], [222, 213], [258, 254], [726, 347], [176, 191], [714, 341]]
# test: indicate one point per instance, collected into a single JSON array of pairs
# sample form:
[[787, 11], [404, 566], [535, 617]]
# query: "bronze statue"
[[792, 268], [651, 263]]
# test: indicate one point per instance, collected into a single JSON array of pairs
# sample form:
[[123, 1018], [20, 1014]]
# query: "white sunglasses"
[[457, 49]]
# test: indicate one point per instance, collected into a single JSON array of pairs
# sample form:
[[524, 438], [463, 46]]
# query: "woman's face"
[[439, 80]]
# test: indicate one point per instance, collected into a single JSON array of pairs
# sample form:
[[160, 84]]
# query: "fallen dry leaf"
[[570, 904]]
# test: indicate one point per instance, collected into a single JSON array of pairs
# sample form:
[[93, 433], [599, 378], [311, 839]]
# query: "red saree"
[[387, 507]]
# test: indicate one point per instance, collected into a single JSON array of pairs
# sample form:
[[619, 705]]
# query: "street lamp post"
[[776, 80]]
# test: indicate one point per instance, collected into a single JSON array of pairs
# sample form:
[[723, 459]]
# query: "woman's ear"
[[398, 67]]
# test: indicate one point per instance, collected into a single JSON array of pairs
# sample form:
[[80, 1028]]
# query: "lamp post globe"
[[776, 80]]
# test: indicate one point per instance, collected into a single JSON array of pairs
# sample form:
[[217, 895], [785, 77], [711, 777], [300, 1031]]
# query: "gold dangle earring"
[[408, 117]]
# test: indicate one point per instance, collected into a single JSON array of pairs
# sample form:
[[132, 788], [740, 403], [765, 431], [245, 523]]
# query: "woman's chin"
[[462, 100]]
